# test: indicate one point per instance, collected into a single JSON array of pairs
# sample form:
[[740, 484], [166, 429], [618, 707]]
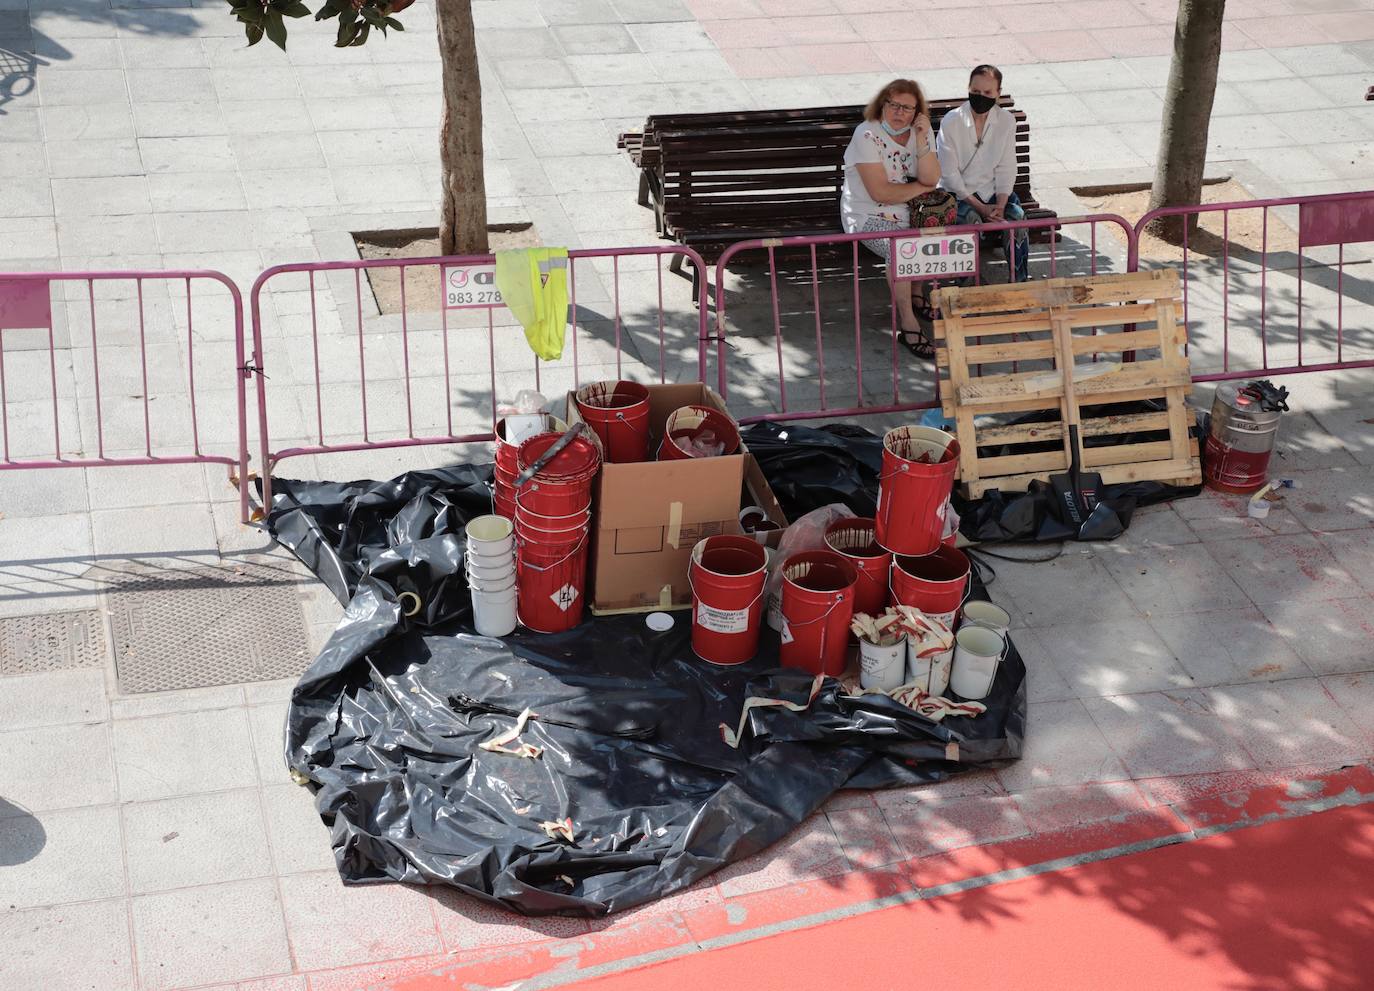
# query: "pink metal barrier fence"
[[351, 289], [1059, 255], [1279, 337], [116, 326]]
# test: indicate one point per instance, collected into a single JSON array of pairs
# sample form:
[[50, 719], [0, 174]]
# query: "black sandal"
[[924, 310], [918, 343]]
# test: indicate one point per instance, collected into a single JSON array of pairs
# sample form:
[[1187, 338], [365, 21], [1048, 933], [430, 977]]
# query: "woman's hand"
[[923, 128]]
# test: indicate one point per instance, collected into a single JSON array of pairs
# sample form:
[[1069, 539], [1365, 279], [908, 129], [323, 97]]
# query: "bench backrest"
[[740, 168]]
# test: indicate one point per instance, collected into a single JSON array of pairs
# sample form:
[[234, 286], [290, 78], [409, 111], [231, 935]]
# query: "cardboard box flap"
[[631, 497]]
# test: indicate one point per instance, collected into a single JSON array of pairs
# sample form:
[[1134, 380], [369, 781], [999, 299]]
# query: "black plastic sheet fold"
[[388, 723]]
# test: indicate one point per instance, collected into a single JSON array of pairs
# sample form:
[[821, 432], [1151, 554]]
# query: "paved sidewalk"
[[152, 840]]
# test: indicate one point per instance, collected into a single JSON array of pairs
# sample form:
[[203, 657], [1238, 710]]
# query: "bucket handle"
[[567, 557], [692, 585], [839, 597], [521, 505], [968, 586]]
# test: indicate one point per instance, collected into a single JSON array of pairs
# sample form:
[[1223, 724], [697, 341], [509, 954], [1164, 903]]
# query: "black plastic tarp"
[[388, 722]]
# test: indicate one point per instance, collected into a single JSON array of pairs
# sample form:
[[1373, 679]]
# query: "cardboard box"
[[649, 515]]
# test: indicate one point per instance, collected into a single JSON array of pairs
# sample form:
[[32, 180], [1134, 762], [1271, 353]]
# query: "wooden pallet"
[[997, 352]]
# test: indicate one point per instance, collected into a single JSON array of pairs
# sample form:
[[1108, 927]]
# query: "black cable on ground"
[[977, 551]]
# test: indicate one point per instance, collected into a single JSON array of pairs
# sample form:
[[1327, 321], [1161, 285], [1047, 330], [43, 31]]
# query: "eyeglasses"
[[905, 108]]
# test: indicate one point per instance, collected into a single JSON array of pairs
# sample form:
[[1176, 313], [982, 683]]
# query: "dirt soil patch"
[[422, 281], [1244, 231]]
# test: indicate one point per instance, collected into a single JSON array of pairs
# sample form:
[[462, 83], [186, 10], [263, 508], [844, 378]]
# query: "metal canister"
[[1240, 442]]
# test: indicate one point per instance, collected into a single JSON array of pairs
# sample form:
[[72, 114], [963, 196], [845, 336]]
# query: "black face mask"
[[981, 104]]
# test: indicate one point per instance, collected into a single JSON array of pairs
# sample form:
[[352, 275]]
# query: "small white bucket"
[[489, 569], [493, 613], [980, 613], [882, 668], [930, 673], [498, 583], [488, 535], [977, 653]]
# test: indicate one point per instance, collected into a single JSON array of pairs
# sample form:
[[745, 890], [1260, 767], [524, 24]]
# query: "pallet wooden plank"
[[1130, 287], [1102, 426]]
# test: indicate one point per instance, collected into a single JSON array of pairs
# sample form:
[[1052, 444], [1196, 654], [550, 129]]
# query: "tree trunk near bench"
[[1187, 112], [463, 208]]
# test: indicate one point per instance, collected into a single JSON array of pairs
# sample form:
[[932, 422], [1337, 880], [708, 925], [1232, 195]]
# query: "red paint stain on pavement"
[[1285, 906]]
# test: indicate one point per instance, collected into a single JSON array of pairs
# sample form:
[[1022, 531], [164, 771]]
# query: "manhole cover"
[[51, 642], [203, 627]]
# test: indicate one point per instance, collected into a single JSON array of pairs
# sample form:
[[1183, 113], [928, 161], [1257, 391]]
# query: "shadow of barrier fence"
[[142, 368]]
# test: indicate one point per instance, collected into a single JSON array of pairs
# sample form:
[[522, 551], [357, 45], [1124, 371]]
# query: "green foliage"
[[356, 20]]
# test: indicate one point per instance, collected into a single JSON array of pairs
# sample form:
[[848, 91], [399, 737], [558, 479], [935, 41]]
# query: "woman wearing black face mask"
[[977, 151]]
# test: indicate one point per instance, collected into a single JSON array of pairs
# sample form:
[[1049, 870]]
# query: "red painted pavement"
[[1277, 907]]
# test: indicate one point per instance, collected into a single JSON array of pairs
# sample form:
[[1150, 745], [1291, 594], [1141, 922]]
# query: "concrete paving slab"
[[54, 698], [333, 926], [180, 934], [38, 777], [1168, 733], [195, 840], [183, 754], [84, 945], [57, 858], [299, 838]]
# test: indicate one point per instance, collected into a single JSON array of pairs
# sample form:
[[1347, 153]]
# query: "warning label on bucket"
[[722, 620], [565, 597]]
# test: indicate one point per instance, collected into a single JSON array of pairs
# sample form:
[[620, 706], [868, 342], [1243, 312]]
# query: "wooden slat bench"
[[716, 179]]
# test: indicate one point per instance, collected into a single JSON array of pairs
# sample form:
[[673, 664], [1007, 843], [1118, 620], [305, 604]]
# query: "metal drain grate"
[[51, 642], [203, 627]]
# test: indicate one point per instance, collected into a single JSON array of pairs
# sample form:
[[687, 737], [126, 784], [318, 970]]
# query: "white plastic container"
[[488, 570], [980, 613], [930, 673], [489, 536], [493, 613], [882, 668], [978, 652], [496, 583]]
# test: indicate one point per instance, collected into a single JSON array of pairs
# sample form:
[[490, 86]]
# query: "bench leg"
[[643, 187]]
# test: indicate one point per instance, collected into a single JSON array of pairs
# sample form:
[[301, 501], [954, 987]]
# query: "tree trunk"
[[1187, 112], [463, 213]]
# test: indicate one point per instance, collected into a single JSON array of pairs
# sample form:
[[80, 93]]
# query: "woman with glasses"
[[890, 177]]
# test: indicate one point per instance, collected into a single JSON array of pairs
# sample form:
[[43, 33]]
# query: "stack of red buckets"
[[506, 468], [553, 513], [919, 467]]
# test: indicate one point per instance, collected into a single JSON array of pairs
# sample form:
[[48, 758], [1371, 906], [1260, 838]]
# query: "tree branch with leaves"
[[463, 199]]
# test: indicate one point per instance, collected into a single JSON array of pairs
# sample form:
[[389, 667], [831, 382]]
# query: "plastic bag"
[[525, 401], [805, 534]]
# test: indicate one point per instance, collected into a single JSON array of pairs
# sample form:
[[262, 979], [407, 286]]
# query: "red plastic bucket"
[[727, 576], [563, 487], [503, 503], [549, 581], [857, 540], [618, 413], [935, 583], [506, 451], [546, 529], [817, 605], [690, 423], [912, 493], [578, 462]]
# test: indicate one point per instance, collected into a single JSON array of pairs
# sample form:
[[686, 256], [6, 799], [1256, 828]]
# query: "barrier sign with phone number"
[[935, 256], [471, 286]]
